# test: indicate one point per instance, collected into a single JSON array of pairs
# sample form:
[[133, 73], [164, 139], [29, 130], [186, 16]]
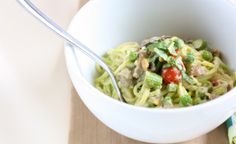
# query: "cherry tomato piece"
[[171, 75], [177, 50]]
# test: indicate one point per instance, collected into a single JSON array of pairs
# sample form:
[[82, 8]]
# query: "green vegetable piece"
[[153, 58], [162, 45], [171, 60], [159, 45], [152, 80], [161, 54], [206, 55], [203, 89], [167, 65], [172, 87], [181, 90], [187, 78], [200, 94], [167, 41], [186, 100], [199, 44], [150, 47], [167, 102], [179, 43], [190, 58], [172, 49], [133, 56]]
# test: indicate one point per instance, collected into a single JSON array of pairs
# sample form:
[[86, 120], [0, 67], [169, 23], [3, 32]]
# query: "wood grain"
[[86, 129]]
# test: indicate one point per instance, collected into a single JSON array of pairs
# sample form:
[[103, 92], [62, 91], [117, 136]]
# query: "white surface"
[[103, 24], [34, 87]]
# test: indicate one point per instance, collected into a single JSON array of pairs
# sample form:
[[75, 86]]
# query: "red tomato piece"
[[177, 50], [171, 75]]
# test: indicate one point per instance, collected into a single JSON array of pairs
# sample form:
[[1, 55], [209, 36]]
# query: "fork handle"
[[31, 8]]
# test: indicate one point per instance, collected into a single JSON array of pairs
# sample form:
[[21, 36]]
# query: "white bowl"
[[103, 24]]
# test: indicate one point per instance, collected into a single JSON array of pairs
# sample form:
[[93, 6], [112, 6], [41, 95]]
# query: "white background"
[[34, 85]]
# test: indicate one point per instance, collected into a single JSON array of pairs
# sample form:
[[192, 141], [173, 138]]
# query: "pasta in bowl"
[[166, 72]]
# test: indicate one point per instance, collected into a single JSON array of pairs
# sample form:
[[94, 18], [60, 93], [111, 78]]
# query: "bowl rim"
[[67, 48]]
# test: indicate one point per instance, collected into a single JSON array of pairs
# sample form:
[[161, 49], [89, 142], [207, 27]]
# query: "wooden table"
[[86, 129]]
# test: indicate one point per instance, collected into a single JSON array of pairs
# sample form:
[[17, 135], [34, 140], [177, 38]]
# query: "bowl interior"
[[102, 25]]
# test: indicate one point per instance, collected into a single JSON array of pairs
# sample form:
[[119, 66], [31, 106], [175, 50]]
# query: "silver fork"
[[31, 8]]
